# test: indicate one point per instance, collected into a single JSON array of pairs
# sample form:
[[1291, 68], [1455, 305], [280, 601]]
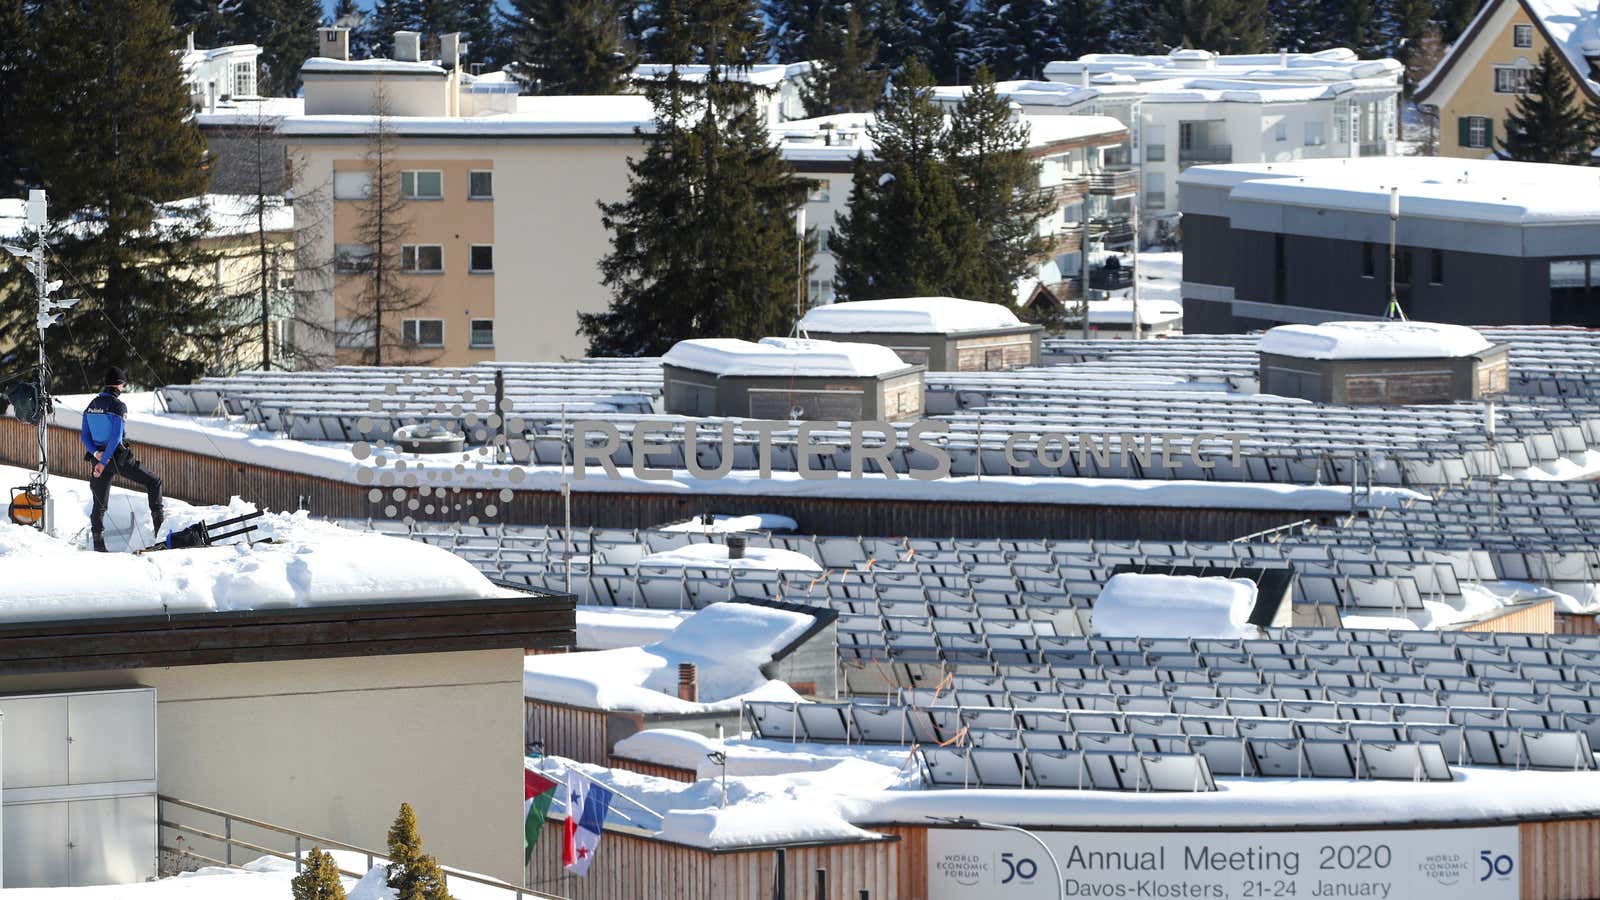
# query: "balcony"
[[1070, 190], [1065, 240], [1118, 182], [1204, 154], [1111, 232]]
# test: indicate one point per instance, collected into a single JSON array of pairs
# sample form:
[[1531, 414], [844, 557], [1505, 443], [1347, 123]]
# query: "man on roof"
[[104, 426]]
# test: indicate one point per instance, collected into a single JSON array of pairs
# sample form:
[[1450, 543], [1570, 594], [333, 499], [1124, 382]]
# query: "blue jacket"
[[103, 423]]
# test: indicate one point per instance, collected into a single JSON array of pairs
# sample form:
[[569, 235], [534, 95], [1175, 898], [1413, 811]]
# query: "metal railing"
[[1374, 148], [1104, 279], [1123, 181], [1206, 153], [303, 842]]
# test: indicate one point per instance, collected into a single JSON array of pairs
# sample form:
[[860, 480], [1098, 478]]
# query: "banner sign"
[[1454, 863]]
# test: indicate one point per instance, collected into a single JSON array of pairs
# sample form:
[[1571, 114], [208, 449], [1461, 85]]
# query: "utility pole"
[[49, 313]]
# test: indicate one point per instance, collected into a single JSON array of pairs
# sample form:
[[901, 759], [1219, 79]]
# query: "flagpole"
[[593, 780]]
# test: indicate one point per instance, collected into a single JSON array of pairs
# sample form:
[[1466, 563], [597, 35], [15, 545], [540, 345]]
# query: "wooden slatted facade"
[[1560, 860], [630, 867], [1572, 623], [1537, 618], [567, 731], [210, 479]]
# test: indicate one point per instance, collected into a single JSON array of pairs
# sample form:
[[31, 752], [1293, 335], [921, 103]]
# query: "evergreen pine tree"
[[287, 33], [1360, 25], [479, 22], [1016, 40], [352, 15], [1547, 125], [413, 875], [1300, 26], [1221, 26], [1085, 27], [905, 233], [568, 46], [846, 77], [205, 19], [110, 154], [997, 183], [15, 61], [947, 32], [790, 27], [1134, 26], [319, 880], [703, 244], [1455, 16], [1408, 24], [895, 31]]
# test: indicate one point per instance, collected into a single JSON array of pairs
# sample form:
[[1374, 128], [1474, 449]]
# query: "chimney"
[[191, 42], [1083, 75], [736, 544], [1283, 57], [334, 43], [450, 50], [408, 46], [688, 683]]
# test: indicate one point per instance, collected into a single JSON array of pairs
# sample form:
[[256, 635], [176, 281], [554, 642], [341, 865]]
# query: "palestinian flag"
[[538, 790]]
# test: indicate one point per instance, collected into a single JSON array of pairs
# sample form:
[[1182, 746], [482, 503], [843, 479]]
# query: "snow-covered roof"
[[766, 74], [715, 556], [1473, 190], [309, 563], [728, 643], [1024, 93], [249, 111], [1119, 311], [1137, 605], [784, 356], [734, 524], [541, 116], [1374, 340], [839, 138], [324, 65], [229, 214], [909, 315], [193, 59], [1188, 75]]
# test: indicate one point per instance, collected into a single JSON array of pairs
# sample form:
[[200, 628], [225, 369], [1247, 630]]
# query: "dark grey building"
[[1479, 242]]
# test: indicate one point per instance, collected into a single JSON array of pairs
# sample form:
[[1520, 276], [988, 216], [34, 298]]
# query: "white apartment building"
[[1079, 158], [219, 75], [1194, 107]]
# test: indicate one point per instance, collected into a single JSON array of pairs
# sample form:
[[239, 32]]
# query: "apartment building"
[[1478, 242], [1080, 163], [1193, 107], [1478, 81], [499, 195]]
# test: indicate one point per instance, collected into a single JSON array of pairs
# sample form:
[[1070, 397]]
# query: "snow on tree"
[[846, 77], [1547, 124], [1016, 38], [569, 46]]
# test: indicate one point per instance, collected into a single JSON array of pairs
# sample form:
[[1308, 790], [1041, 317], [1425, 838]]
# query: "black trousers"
[[122, 465]]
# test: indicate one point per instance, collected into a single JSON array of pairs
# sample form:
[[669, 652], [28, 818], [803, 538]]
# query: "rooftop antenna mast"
[[36, 502], [1393, 311]]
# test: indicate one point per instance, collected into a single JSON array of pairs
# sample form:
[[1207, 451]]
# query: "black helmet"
[[115, 375]]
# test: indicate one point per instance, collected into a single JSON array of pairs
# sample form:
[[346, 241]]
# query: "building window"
[[1155, 190], [1369, 260], [353, 185], [1522, 36], [819, 292], [244, 79], [1155, 152], [1280, 270], [482, 258], [1402, 265], [422, 257], [1315, 134], [480, 185], [1436, 267], [1280, 131], [819, 193], [422, 332], [482, 333], [422, 185], [1575, 292], [352, 334], [824, 240], [1155, 143], [1511, 79], [1475, 132], [351, 259]]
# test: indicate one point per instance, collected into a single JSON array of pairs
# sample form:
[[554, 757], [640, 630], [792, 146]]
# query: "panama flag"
[[587, 805], [538, 790]]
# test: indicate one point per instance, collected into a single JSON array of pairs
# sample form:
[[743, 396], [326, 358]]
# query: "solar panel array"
[[1173, 388], [1299, 703]]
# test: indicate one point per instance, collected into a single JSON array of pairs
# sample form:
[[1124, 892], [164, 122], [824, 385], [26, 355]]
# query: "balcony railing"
[[1111, 232], [1117, 182], [1065, 240], [1205, 154], [1375, 148]]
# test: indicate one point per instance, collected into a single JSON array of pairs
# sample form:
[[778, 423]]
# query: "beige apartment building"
[[503, 236], [1478, 81]]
